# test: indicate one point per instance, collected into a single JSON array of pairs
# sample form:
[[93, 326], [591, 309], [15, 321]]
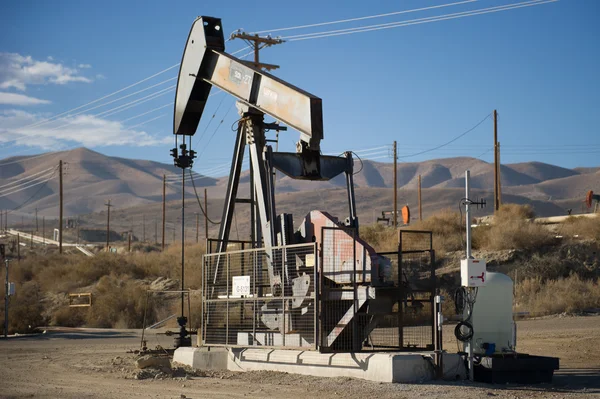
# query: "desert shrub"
[[120, 303], [588, 228], [448, 231], [513, 229], [570, 294], [25, 309], [140, 247], [514, 212], [380, 237], [514, 234], [69, 317]]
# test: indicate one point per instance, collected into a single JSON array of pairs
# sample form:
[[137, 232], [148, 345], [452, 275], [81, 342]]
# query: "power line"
[[25, 188], [200, 203], [26, 177], [121, 98], [23, 185], [444, 17], [449, 142], [363, 18], [104, 97], [147, 112], [27, 159], [121, 107]]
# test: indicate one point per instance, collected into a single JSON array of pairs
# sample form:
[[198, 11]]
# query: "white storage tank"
[[492, 317]]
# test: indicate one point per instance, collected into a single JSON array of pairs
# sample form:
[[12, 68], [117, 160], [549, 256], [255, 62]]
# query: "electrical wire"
[[27, 177], [24, 186], [200, 204], [362, 18], [449, 142], [418, 21], [28, 159], [121, 98], [104, 97], [29, 199], [216, 129], [148, 121]]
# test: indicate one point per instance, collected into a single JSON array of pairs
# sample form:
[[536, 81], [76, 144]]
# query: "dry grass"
[[448, 231], [587, 228], [513, 229], [570, 294], [382, 238], [118, 282]]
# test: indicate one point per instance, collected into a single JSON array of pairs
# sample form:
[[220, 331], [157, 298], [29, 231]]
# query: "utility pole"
[[197, 226], [129, 242], [60, 212], [37, 227], [419, 200], [205, 213], [18, 247], [258, 43], [144, 227], [108, 205], [6, 301], [395, 185], [1, 219], [44, 229], [155, 231], [496, 165], [163, 210]]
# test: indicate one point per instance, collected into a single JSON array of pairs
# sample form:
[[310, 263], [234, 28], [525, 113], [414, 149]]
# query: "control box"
[[472, 273]]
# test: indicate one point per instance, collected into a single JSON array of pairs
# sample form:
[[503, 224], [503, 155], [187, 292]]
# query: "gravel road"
[[94, 364]]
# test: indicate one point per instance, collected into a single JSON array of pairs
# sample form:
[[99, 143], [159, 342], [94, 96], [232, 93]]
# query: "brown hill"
[[135, 186], [89, 179]]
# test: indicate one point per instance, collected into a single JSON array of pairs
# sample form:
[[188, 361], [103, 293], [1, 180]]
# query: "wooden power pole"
[[257, 43], [197, 226], [496, 165], [60, 212], [395, 185], [108, 205], [205, 213], [419, 199], [163, 211]]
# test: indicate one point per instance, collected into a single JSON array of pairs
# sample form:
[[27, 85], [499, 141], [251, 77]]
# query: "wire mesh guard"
[[348, 299], [375, 302], [417, 268], [241, 308]]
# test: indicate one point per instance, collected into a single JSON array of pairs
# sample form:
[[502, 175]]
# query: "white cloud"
[[19, 71], [84, 66], [20, 99], [85, 130]]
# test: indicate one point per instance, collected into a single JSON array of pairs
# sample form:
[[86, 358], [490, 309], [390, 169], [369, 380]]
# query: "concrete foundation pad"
[[382, 367]]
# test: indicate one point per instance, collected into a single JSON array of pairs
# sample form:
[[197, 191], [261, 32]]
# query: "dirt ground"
[[94, 363]]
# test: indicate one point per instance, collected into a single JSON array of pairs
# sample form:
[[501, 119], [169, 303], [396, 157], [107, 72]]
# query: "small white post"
[[468, 221]]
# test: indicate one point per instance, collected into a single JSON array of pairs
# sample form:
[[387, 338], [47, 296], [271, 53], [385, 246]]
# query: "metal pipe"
[[6, 302], [182, 237], [468, 223], [468, 211]]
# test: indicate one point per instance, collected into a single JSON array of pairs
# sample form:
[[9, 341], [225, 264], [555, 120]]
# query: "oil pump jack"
[[204, 65]]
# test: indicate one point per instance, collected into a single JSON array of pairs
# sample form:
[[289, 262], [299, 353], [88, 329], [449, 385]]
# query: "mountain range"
[[134, 187]]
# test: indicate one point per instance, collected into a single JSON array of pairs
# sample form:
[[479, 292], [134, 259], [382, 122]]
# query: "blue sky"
[[421, 85]]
